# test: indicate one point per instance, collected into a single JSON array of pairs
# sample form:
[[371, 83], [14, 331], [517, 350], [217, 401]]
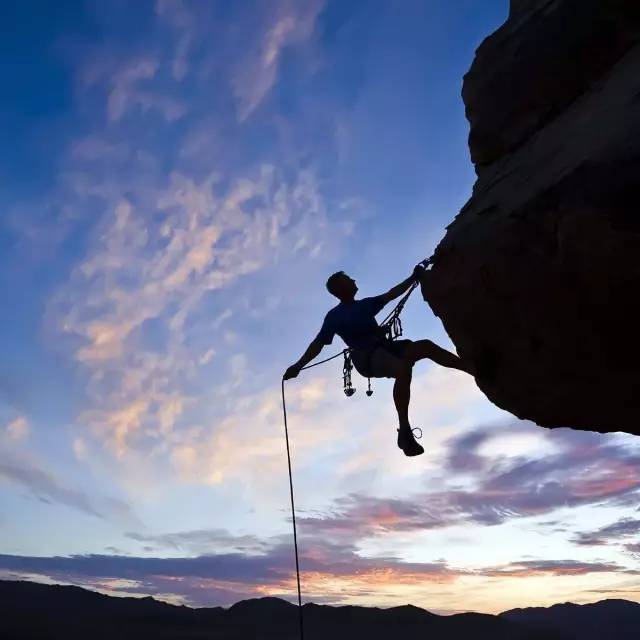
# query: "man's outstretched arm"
[[312, 351], [399, 289]]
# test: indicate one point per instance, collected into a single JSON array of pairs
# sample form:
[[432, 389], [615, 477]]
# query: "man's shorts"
[[384, 361]]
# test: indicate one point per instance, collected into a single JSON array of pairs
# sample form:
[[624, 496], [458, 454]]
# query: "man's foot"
[[408, 443]]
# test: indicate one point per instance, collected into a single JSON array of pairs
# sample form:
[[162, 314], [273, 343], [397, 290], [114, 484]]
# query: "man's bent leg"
[[422, 349]]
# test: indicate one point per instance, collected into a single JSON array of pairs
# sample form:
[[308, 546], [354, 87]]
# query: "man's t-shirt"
[[355, 322]]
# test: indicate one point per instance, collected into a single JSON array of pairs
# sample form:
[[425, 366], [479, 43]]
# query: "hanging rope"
[[293, 512], [393, 327]]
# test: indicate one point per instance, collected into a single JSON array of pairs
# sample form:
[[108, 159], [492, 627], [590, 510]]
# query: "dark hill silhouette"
[[29, 610], [619, 619]]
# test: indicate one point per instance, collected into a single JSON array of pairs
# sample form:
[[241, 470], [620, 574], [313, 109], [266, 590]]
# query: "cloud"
[[94, 148], [587, 470], [245, 445], [359, 516], [201, 541], [175, 12], [463, 456], [207, 356], [150, 271], [529, 568], [165, 238], [287, 24], [47, 488], [492, 489], [612, 533], [330, 572], [268, 30], [224, 578], [217, 567], [129, 82], [17, 429]]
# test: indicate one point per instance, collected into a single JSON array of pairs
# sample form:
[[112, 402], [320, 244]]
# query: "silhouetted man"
[[373, 354]]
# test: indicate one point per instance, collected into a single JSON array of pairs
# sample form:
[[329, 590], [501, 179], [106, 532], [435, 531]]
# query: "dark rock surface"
[[537, 279], [547, 53]]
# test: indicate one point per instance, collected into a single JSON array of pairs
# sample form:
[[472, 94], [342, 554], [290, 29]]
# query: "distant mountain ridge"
[[607, 619], [30, 610]]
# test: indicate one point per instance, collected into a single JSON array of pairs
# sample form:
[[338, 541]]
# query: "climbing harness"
[[392, 326]]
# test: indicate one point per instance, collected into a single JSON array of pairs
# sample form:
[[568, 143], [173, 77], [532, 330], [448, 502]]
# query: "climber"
[[373, 354]]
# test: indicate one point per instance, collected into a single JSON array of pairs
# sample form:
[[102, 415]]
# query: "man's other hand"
[[292, 372], [418, 272]]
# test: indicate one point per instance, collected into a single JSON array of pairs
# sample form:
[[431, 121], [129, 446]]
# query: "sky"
[[177, 181]]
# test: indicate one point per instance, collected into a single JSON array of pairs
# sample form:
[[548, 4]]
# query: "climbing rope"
[[293, 512], [393, 330], [344, 353]]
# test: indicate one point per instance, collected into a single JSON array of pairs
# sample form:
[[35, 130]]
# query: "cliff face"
[[537, 279]]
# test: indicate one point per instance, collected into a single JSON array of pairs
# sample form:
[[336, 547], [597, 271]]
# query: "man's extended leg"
[[421, 349]]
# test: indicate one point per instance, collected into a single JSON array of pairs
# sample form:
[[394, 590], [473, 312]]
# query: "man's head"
[[342, 286]]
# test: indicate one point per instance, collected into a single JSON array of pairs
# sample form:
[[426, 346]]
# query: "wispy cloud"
[[224, 567], [17, 429], [329, 573], [225, 578], [529, 568], [613, 533], [202, 541], [588, 470], [291, 23], [166, 234], [250, 65], [46, 487], [150, 271]]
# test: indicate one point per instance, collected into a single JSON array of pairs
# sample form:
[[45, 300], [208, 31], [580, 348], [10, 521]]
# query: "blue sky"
[[178, 180]]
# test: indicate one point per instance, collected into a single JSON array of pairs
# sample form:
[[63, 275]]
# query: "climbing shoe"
[[408, 443]]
